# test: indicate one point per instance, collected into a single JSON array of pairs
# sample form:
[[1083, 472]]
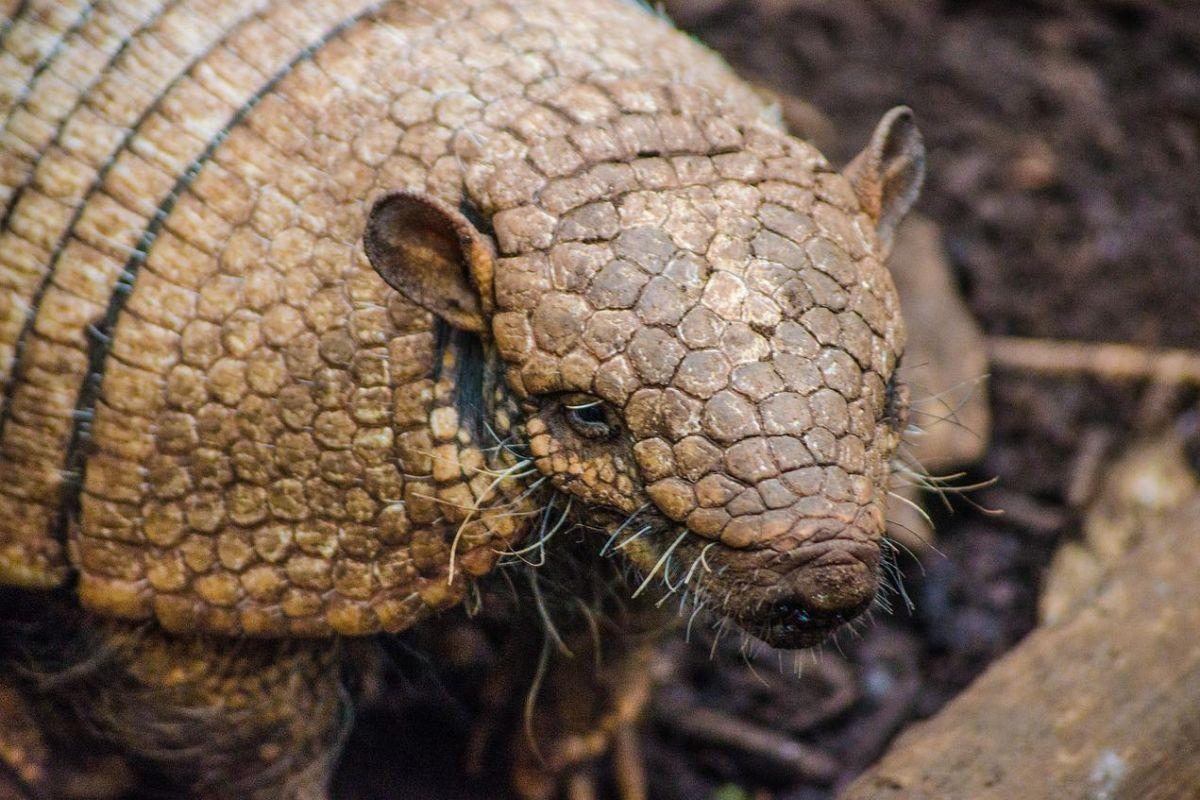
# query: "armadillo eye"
[[590, 417]]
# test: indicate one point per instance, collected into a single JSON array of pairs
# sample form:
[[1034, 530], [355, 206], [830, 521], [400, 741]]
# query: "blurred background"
[[1064, 184]]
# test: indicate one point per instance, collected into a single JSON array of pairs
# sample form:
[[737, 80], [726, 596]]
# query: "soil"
[[1064, 150]]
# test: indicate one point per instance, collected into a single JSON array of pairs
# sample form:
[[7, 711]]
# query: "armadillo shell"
[[214, 412]]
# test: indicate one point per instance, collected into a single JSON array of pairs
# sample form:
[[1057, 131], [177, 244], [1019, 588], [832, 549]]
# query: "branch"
[[1111, 361], [1105, 703]]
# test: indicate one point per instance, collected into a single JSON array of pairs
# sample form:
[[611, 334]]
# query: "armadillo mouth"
[[788, 600], [790, 626]]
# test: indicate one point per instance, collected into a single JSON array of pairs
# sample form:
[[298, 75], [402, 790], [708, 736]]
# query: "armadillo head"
[[702, 357]]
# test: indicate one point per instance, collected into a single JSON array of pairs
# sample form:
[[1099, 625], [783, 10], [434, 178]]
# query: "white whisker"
[[662, 560]]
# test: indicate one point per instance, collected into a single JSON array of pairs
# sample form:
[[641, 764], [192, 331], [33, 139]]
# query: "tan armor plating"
[[219, 415]]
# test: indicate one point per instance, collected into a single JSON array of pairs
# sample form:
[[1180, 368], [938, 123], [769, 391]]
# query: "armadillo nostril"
[[795, 614], [798, 615], [824, 597], [794, 622]]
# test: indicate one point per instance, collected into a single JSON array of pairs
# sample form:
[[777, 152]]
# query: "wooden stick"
[[627, 764], [1104, 704], [1111, 361], [713, 727]]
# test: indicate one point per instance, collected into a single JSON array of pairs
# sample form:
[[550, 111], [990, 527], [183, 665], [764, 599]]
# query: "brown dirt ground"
[[1064, 155]]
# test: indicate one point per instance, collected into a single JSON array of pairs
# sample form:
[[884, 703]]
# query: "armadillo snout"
[[819, 600], [799, 596]]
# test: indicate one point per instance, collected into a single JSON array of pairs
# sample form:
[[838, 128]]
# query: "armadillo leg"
[[207, 717], [23, 752], [31, 769], [584, 709]]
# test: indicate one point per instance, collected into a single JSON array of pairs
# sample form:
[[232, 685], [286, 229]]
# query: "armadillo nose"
[[822, 599], [842, 590]]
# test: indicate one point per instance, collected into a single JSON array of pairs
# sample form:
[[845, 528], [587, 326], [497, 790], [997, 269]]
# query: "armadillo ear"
[[887, 174], [431, 253]]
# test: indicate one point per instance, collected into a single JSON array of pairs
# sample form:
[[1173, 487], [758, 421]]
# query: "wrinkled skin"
[[707, 371]]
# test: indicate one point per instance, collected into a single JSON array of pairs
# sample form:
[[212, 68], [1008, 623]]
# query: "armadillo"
[[311, 309]]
